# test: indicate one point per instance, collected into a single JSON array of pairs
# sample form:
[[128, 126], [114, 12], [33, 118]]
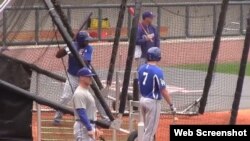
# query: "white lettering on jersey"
[[163, 83], [145, 78]]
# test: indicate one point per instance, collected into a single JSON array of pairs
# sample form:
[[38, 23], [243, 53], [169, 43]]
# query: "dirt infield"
[[215, 118]]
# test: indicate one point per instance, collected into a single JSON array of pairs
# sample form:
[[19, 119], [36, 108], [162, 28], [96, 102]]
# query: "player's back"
[[149, 79]]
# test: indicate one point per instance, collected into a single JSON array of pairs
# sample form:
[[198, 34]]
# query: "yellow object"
[[94, 23]]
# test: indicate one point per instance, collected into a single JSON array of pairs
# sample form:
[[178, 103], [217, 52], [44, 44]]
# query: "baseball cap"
[[83, 36], [147, 14], [85, 72]]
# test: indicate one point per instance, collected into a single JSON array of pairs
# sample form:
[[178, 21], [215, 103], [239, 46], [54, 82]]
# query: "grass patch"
[[228, 68]]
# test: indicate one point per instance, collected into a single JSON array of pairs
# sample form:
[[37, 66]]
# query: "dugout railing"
[[36, 28]]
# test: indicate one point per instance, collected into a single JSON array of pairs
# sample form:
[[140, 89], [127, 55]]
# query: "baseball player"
[[85, 51], [84, 107], [147, 36], [152, 88]]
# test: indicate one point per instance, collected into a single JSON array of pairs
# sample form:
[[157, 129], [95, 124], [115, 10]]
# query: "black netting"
[[187, 32]]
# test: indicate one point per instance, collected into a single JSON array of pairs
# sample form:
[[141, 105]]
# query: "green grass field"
[[229, 68]]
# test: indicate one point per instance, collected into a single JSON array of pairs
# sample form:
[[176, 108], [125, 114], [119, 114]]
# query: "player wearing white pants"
[[152, 88]]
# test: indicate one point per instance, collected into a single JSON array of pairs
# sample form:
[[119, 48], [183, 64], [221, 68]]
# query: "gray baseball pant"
[[150, 110]]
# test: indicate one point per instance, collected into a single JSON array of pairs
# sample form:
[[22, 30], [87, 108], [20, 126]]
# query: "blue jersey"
[[141, 41], [85, 53], [151, 81]]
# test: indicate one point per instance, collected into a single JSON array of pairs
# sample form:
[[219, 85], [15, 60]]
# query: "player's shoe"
[[57, 118], [56, 122], [105, 118]]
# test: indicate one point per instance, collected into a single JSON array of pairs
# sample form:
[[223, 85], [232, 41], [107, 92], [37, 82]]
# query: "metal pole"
[[240, 81], [4, 27], [69, 16], [37, 23], [116, 41], [129, 24], [36, 69], [114, 137], [214, 19], [241, 19], [99, 24], [159, 20], [213, 58], [118, 91], [39, 137], [187, 21], [130, 56]]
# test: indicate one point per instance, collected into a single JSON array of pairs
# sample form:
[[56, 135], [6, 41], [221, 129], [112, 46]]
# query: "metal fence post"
[[241, 20], [99, 24], [118, 91], [159, 20], [4, 27], [117, 97], [214, 19], [187, 21], [69, 16], [37, 23], [129, 24], [38, 110]]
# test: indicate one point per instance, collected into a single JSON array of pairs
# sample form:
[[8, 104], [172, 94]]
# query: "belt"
[[91, 122]]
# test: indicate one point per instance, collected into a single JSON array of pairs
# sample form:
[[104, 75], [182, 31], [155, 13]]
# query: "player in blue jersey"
[[85, 51], [153, 89]]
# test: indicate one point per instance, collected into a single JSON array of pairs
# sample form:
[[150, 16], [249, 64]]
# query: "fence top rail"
[[145, 5]]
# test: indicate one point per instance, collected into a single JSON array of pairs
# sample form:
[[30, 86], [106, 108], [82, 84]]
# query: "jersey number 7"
[[145, 78]]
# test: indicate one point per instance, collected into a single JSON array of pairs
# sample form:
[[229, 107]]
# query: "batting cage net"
[[187, 32]]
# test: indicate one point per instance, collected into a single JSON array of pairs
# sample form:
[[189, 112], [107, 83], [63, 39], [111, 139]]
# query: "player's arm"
[[164, 92], [84, 118], [166, 96], [140, 39], [80, 107], [62, 52]]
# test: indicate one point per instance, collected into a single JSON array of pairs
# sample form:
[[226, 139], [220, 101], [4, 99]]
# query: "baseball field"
[[187, 30], [184, 62]]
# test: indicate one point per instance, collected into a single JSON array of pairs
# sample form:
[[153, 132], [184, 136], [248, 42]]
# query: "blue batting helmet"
[[154, 54], [83, 36]]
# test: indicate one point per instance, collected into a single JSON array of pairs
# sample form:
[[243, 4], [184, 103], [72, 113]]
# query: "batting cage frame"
[[197, 80]]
